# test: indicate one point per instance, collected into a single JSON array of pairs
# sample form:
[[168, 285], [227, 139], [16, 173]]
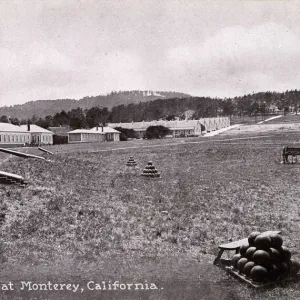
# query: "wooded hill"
[[170, 109], [43, 108]]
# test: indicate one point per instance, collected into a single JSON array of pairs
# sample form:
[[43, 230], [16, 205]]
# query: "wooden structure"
[[45, 150], [290, 151], [20, 154], [9, 178]]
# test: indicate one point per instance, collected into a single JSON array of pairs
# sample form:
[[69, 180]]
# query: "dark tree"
[[96, 116], [61, 119], [156, 132], [15, 121], [227, 107], [4, 119], [77, 118], [43, 123], [126, 133]]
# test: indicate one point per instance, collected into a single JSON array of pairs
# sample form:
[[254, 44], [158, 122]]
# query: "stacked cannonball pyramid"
[[131, 162], [150, 171], [265, 259]]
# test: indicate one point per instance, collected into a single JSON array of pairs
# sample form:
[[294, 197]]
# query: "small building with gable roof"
[[95, 134]]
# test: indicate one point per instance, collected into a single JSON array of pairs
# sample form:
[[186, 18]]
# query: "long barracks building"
[[14, 135], [178, 128]]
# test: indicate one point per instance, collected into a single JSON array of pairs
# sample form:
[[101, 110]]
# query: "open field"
[[85, 215]]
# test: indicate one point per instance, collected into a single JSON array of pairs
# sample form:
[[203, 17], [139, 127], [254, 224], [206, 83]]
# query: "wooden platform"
[[243, 278]]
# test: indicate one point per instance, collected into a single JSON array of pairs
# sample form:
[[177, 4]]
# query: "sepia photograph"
[[149, 150]]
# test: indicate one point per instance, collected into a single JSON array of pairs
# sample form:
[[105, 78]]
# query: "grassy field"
[[84, 214]]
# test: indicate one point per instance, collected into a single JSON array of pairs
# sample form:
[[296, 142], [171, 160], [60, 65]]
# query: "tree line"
[[170, 109]]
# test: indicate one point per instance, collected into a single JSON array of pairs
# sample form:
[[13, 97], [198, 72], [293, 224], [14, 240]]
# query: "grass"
[[85, 204]]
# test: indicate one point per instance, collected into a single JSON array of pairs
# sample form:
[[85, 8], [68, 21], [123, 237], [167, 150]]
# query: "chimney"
[[97, 128], [28, 126], [101, 128]]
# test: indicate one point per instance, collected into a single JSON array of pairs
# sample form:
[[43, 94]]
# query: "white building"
[[96, 134], [14, 135], [183, 128], [39, 135]]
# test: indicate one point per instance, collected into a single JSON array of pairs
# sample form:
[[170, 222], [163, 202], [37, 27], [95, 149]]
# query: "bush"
[[126, 133], [59, 139], [157, 132]]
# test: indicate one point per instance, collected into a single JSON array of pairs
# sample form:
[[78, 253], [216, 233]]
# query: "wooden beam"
[[11, 175], [44, 150], [20, 154]]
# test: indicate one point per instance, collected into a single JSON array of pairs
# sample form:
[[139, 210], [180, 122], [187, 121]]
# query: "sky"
[[59, 49]]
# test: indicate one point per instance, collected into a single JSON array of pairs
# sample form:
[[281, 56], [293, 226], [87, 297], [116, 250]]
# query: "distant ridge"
[[43, 108]]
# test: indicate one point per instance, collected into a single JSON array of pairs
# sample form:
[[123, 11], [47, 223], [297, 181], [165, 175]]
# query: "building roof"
[[106, 129], [10, 127], [95, 130], [36, 129], [186, 124]]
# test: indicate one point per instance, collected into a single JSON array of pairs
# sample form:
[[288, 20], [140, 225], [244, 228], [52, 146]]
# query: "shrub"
[[126, 133], [157, 132], [59, 139]]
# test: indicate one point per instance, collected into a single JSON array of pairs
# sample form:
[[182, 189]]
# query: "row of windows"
[[184, 131], [91, 136], [14, 138], [21, 138], [43, 138], [46, 138]]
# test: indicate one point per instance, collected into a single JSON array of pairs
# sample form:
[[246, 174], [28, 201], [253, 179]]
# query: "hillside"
[[42, 108]]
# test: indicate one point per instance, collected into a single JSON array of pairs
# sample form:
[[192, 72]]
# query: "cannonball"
[[284, 268], [274, 254], [252, 237], [276, 240], [261, 257], [259, 273], [248, 266], [243, 249], [241, 264], [274, 272], [262, 242], [250, 251], [294, 267], [285, 254], [234, 260]]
